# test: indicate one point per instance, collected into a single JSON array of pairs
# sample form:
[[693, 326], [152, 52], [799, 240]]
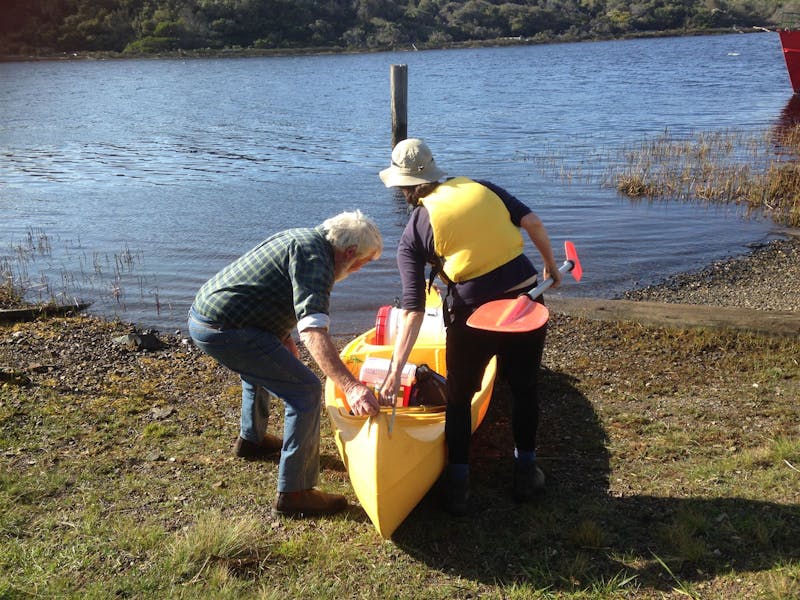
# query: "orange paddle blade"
[[522, 313], [515, 316], [572, 256]]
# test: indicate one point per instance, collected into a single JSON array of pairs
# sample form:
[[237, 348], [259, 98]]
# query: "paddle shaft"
[[394, 404], [540, 289]]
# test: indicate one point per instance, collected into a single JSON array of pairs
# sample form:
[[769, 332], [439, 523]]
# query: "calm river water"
[[131, 182]]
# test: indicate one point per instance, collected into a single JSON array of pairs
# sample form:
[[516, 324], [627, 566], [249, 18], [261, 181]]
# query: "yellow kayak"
[[393, 461]]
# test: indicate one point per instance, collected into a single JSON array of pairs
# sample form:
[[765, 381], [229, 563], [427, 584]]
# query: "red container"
[[382, 324], [386, 324]]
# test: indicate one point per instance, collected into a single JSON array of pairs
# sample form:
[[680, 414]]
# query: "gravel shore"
[[768, 278]]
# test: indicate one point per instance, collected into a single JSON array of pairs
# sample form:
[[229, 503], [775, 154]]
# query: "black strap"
[[437, 268]]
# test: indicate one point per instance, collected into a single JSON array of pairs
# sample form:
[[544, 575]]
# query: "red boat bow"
[[790, 41]]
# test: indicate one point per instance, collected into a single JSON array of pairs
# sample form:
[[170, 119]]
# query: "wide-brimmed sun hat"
[[412, 164]]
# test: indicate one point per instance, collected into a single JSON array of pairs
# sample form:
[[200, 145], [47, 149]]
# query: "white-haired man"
[[243, 317]]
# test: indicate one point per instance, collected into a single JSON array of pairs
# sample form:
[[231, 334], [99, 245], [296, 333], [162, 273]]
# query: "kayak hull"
[[393, 465]]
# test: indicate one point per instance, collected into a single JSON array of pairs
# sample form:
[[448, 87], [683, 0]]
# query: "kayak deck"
[[393, 465]]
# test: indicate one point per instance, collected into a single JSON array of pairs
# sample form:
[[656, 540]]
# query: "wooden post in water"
[[399, 90]]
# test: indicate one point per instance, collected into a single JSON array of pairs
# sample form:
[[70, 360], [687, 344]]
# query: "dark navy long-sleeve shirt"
[[416, 250]]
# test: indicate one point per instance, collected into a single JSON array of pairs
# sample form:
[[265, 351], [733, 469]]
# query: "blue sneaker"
[[457, 495], [528, 481]]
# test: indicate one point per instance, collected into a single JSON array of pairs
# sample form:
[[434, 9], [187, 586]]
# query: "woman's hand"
[[387, 395], [551, 270]]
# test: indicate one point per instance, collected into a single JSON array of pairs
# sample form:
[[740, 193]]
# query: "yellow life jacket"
[[472, 229]]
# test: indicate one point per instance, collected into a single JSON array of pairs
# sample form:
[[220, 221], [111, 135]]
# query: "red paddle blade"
[[572, 256], [516, 315]]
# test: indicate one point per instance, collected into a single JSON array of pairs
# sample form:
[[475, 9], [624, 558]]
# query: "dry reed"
[[761, 174]]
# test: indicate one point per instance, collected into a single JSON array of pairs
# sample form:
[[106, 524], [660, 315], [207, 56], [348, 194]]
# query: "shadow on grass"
[[578, 536]]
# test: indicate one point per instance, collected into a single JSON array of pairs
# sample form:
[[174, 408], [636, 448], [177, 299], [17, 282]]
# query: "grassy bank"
[[672, 459]]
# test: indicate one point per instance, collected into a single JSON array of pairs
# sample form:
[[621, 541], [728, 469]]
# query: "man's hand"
[[362, 401]]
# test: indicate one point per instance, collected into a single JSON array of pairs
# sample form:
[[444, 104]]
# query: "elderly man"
[[243, 318]]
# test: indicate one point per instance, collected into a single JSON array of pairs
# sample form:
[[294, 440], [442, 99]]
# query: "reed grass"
[[40, 269], [759, 173]]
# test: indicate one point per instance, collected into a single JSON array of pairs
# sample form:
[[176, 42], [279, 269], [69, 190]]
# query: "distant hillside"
[[48, 27]]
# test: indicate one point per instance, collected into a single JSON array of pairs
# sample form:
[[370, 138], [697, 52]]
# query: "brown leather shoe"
[[269, 446], [309, 503]]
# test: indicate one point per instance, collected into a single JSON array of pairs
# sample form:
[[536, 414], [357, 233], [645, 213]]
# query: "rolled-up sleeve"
[[318, 320]]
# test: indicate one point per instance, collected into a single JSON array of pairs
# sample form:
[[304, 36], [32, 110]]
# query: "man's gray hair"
[[354, 229]]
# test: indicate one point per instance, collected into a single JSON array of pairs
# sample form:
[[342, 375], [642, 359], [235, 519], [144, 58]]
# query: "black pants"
[[519, 356]]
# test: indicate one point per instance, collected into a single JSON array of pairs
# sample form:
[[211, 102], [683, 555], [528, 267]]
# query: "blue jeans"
[[267, 367]]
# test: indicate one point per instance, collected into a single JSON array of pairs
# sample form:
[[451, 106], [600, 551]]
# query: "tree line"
[[43, 27]]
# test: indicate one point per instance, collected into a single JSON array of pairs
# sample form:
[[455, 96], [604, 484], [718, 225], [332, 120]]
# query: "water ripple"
[[189, 163]]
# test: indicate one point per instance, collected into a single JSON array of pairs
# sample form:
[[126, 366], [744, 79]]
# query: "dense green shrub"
[[151, 45], [143, 26]]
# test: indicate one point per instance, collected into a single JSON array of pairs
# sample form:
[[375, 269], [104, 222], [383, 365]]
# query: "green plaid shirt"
[[285, 278]]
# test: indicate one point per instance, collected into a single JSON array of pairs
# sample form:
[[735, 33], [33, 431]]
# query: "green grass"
[[671, 475]]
